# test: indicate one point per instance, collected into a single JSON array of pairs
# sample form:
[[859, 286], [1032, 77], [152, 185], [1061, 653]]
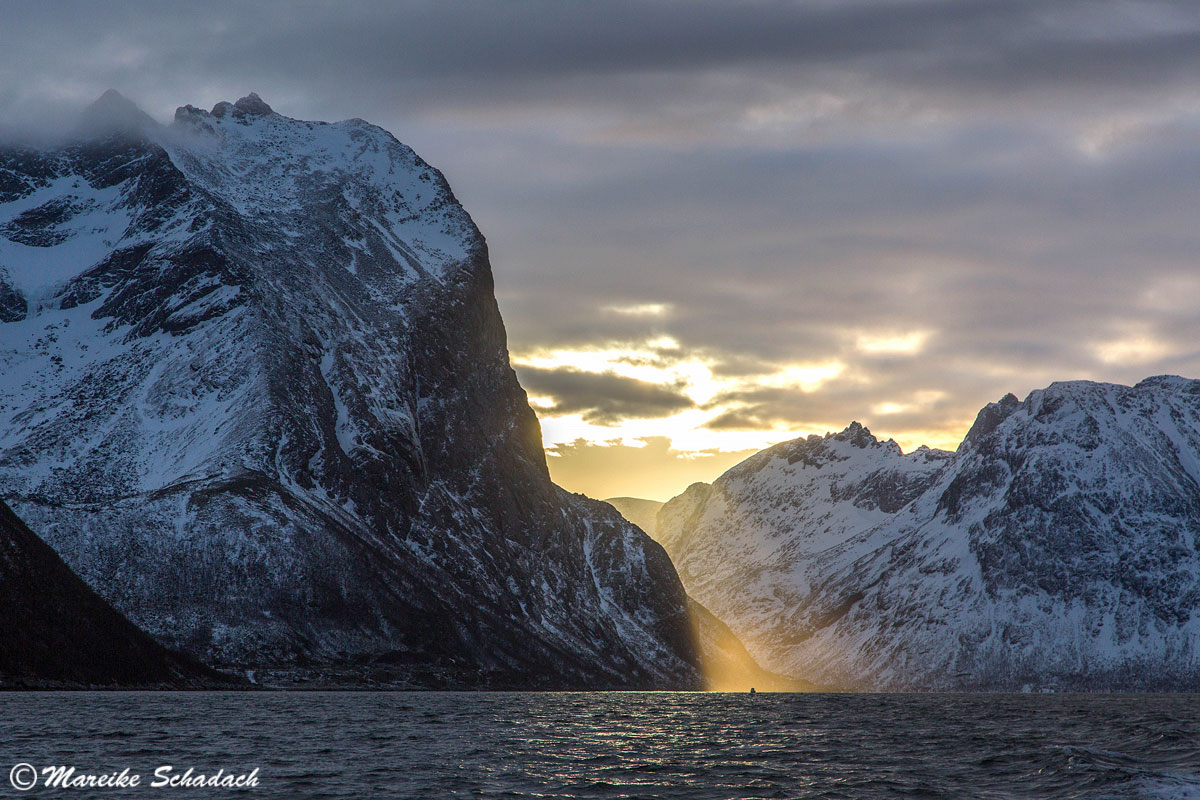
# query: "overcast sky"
[[718, 225]]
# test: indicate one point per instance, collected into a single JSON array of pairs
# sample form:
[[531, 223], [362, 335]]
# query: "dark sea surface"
[[613, 745]]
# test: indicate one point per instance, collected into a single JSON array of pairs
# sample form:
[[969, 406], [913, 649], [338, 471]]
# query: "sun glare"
[[1133, 349], [662, 361], [655, 361], [886, 409], [640, 309], [805, 377], [899, 344]]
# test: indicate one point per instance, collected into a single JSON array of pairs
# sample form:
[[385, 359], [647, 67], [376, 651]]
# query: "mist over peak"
[[114, 114]]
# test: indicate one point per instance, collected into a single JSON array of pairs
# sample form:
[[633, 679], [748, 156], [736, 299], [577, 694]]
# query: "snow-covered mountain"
[[254, 388], [56, 632], [1059, 546]]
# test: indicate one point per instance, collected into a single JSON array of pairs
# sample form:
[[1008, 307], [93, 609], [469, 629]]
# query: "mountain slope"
[[56, 632], [729, 667], [256, 392], [744, 544], [1057, 547], [725, 662]]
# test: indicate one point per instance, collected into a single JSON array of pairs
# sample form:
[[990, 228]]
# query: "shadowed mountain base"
[[55, 632]]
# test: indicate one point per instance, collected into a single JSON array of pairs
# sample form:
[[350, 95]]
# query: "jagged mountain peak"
[[988, 418], [1076, 410], [114, 114], [808, 495], [253, 105], [352, 186], [249, 106], [856, 434], [854, 442]]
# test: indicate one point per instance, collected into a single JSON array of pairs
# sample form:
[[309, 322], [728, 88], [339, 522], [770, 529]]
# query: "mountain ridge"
[[1056, 547], [639, 511]]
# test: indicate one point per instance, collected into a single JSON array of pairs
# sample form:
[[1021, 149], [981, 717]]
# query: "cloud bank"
[[946, 201]]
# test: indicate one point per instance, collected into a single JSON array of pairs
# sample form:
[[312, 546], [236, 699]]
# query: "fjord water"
[[618, 745]]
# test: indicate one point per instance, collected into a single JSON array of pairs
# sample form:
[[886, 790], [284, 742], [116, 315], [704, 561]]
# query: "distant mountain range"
[[255, 391], [643, 513], [1059, 547]]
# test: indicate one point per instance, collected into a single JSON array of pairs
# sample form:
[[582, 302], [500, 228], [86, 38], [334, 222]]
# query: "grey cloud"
[[740, 420], [441, 52], [781, 173], [602, 398]]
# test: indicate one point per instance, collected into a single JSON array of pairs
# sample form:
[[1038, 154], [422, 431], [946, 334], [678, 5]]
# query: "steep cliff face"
[[1058, 547], [55, 632], [256, 392]]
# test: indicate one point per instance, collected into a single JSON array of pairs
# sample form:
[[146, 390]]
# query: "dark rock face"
[[263, 404], [56, 632], [1058, 547], [13, 306]]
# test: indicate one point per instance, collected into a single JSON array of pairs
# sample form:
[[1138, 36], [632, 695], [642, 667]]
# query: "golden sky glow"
[[1136, 346], [657, 455], [907, 343]]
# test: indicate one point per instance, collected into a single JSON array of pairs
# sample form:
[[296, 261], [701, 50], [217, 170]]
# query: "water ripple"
[[625, 745]]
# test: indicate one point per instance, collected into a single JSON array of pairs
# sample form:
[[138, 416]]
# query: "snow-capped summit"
[[255, 390], [1058, 546]]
